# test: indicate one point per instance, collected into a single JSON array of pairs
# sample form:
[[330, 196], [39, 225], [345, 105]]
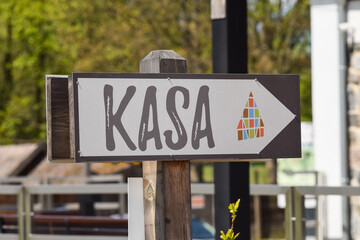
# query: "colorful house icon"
[[251, 124]]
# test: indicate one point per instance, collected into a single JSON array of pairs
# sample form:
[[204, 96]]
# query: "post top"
[[163, 61], [162, 54]]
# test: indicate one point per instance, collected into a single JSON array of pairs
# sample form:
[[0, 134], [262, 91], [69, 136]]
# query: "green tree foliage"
[[42, 37], [279, 42], [29, 52]]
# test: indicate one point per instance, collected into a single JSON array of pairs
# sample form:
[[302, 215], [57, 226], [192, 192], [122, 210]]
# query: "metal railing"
[[295, 221], [119, 188], [294, 211], [19, 191]]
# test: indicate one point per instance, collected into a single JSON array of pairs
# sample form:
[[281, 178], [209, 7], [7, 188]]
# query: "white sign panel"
[[174, 118]]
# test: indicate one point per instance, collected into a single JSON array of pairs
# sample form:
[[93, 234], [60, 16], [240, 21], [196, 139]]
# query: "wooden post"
[[167, 195]]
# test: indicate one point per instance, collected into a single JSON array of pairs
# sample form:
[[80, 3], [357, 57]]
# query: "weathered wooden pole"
[[167, 195]]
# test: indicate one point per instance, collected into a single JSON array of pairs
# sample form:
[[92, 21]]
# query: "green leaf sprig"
[[230, 235]]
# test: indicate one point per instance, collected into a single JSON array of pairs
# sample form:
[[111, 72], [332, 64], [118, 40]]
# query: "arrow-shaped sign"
[[183, 116]]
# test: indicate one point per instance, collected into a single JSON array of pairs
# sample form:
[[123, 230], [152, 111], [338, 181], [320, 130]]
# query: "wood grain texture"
[[71, 118], [154, 210], [58, 119], [177, 200], [48, 118], [167, 194]]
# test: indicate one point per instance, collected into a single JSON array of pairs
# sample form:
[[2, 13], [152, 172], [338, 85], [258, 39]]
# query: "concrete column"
[[329, 104]]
